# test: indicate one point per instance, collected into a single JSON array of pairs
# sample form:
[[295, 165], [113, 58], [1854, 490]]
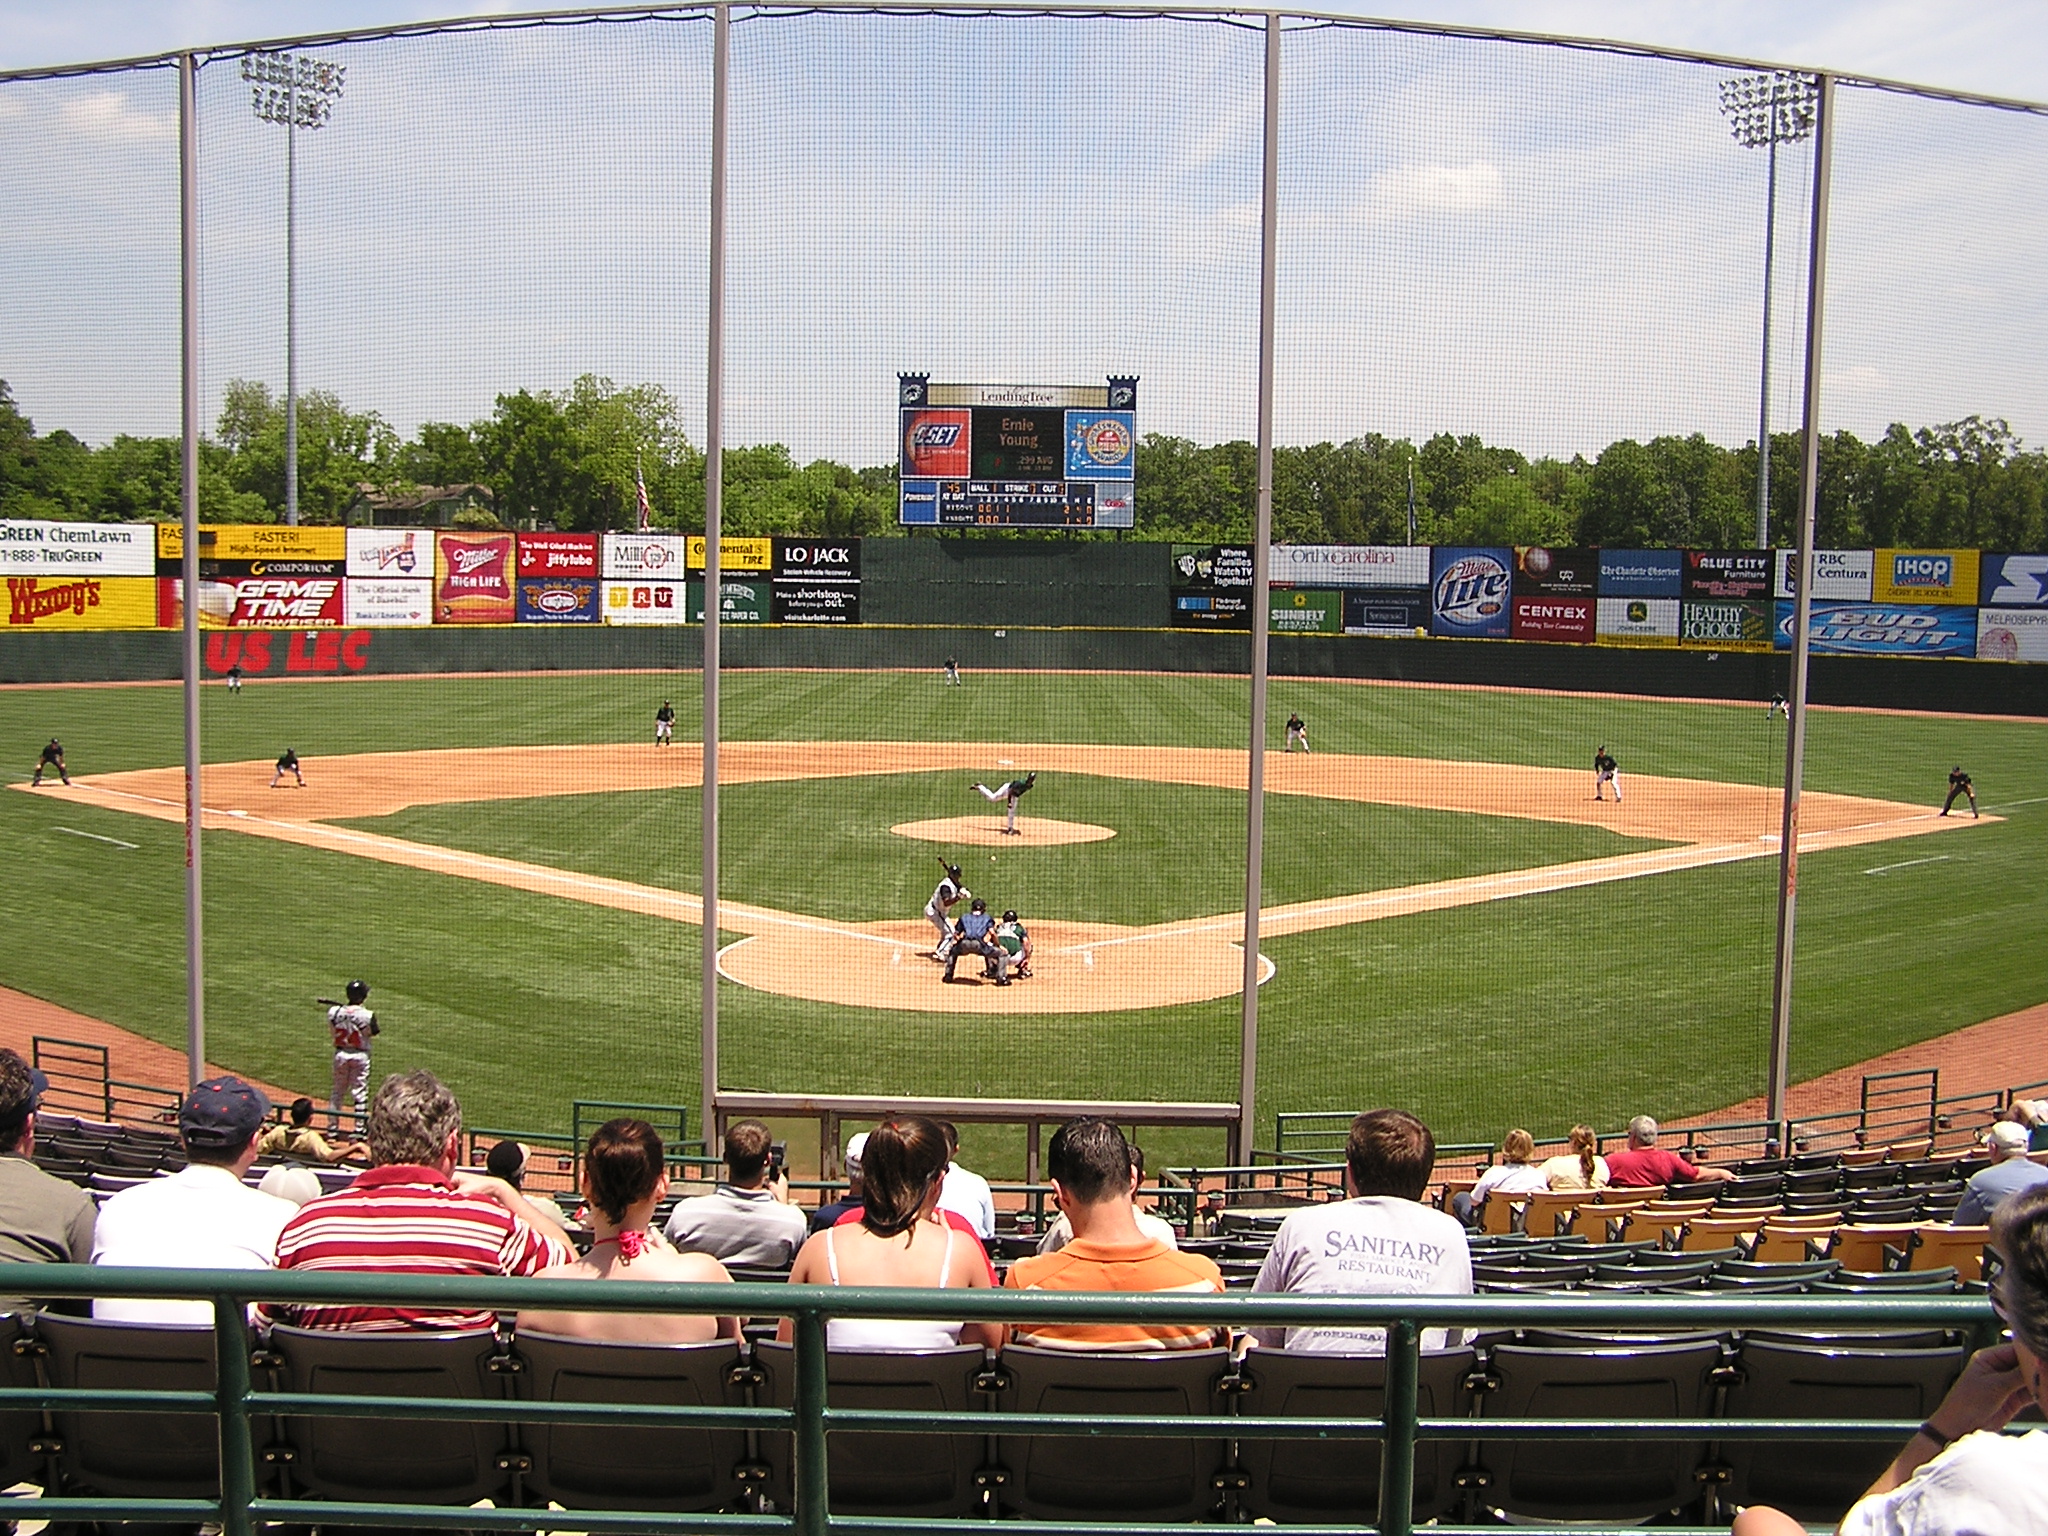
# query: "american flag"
[[646, 515]]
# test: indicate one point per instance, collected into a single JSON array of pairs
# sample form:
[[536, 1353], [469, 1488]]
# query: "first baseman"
[[288, 763], [53, 757], [664, 724], [947, 894], [351, 1025], [1958, 784], [1296, 731], [1606, 771], [1009, 791]]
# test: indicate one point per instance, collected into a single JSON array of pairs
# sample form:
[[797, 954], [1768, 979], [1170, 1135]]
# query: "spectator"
[[414, 1213], [1958, 1474], [2009, 1173], [1382, 1241], [1095, 1182], [625, 1176], [299, 1140], [1579, 1167], [293, 1182], [1642, 1164], [966, 1192], [43, 1219], [899, 1239], [508, 1160], [747, 1219], [835, 1211], [201, 1217], [1061, 1232], [1512, 1175], [2033, 1114]]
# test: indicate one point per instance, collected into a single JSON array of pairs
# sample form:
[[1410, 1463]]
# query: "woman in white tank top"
[[899, 1241]]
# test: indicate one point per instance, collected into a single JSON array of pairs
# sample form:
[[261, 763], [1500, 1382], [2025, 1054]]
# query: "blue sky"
[[1552, 248]]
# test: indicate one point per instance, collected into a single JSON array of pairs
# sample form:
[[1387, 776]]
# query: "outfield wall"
[[1967, 687]]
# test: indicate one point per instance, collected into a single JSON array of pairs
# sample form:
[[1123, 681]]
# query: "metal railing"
[[235, 1400]]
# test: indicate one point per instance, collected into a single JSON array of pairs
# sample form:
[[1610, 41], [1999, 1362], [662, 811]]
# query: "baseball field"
[[1452, 922]]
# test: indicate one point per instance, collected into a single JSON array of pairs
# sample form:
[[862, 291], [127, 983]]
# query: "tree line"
[[575, 459]]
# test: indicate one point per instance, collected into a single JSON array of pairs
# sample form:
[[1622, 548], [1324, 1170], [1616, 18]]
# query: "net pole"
[[291, 300], [1262, 536], [1763, 407], [714, 488], [188, 512], [1802, 608]]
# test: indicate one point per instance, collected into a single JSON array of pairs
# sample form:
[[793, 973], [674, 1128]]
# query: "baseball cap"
[[221, 1114], [855, 1145], [2007, 1137], [21, 1086]]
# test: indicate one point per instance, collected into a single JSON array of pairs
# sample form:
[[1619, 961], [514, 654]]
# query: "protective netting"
[[1519, 308]]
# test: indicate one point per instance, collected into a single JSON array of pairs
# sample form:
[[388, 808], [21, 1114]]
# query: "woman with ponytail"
[[1579, 1168]]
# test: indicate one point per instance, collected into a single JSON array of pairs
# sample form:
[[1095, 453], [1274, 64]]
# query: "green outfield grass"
[[1593, 1003]]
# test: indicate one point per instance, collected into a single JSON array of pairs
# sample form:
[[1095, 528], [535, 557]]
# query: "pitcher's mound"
[[987, 832]]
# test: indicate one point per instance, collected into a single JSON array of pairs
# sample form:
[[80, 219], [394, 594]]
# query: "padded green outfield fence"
[[235, 1402]]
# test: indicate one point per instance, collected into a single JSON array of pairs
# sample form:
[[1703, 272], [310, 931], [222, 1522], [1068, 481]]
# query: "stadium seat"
[[915, 1474], [19, 1354], [1070, 1478], [590, 1466], [1878, 1176], [1909, 1151], [1337, 1482], [1748, 1187], [1813, 1181], [1706, 1234], [1610, 1480], [1861, 1157], [1545, 1212], [1888, 1282], [421, 1461], [1861, 1248], [1783, 1379], [133, 1455], [1497, 1214]]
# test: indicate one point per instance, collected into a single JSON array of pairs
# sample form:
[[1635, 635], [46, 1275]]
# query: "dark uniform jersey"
[[1603, 762], [289, 762], [1958, 781], [54, 752]]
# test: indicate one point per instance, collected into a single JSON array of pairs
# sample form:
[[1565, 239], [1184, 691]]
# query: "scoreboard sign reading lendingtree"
[[1016, 455]]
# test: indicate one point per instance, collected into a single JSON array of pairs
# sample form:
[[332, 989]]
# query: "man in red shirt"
[[413, 1214], [1642, 1164]]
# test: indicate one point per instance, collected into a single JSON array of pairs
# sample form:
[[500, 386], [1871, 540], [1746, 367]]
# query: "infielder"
[[1015, 940], [975, 935], [351, 1025], [665, 725], [288, 763], [1606, 771], [53, 757], [1958, 784], [1009, 791], [1296, 731], [947, 894]]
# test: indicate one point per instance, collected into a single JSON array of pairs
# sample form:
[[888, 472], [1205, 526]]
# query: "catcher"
[[1015, 940]]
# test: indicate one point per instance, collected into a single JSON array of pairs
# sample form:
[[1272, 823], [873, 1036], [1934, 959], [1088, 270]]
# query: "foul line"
[[1885, 869], [96, 837]]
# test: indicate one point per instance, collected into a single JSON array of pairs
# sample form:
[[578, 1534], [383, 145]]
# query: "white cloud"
[[108, 117], [1411, 190]]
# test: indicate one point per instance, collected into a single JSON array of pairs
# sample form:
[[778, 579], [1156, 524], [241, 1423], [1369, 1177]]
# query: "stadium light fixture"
[[294, 92], [1764, 111]]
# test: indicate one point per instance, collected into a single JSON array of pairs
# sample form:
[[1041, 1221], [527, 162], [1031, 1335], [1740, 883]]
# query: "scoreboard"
[[1016, 455]]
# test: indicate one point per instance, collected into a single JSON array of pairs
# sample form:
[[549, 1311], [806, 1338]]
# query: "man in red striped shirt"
[[413, 1214]]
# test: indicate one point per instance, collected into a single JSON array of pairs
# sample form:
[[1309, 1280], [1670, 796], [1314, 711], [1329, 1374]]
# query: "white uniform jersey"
[[352, 1025]]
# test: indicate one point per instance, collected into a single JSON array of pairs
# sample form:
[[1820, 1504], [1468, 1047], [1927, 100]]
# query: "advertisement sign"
[[734, 555], [919, 503], [643, 557], [817, 581], [2013, 581], [81, 602], [1837, 573], [1116, 506], [1102, 445], [741, 601], [260, 652], [1348, 565], [283, 594], [1925, 576], [1470, 591], [559, 599], [936, 444], [375, 601], [32, 548], [1636, 620], [396, 554], [1640, 573], [1884, 629], [1729, 573], [1386, 610], [644, 602], [1567, 620], [473, 578], [1557, 573], [2012, 634], [557, 554], [1211, 586], [252, 541], [1307, 613], [1726, 626]]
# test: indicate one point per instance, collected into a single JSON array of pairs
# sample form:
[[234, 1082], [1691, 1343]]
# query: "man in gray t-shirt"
[[1381, 1242], [43, 1219], [748, 1219]]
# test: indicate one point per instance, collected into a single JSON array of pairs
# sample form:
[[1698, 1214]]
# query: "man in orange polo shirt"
[[1094, 1181]]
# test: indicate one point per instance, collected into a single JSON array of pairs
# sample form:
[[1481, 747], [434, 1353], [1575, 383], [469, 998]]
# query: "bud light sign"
[[1884, 629], [1470, 592]]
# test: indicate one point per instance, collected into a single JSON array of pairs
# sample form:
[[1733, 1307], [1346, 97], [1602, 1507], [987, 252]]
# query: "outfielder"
[[1009, 791], [975, 935], [1778, 707], [1606, 771], [1296, 731], [288, 763], [53, 757], [351, 1025], [1958, 784], [664, 725], [952, 673], [948, 893]]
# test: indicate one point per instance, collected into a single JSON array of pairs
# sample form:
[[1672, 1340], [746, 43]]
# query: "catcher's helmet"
[[1009, 914], [978, 905], [356, 991]]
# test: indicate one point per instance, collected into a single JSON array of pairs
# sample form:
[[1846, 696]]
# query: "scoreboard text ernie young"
[[1016, 455]]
